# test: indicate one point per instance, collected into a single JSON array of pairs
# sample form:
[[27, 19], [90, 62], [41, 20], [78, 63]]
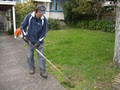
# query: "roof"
[[108, 3], [7, 3], [42, 0]]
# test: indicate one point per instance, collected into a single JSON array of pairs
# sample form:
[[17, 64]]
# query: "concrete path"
[[14, 72]]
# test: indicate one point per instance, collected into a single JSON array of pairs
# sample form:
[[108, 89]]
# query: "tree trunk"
[[98, 16], [116, 58]]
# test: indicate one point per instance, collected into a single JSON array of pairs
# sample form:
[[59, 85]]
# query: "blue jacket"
[[33, 28]]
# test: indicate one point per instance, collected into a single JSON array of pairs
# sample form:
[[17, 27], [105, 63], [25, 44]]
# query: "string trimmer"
[[69, 82]]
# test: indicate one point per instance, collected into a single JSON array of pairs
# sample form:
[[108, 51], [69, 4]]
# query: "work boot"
[[43, 74], [32, 71]]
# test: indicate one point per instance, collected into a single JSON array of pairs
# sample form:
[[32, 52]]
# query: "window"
[[56, 5]]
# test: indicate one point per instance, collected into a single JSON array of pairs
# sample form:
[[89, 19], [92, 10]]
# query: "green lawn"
[[84, 55]]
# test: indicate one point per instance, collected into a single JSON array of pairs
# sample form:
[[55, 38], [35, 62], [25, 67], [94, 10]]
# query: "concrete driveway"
[[14, 72]]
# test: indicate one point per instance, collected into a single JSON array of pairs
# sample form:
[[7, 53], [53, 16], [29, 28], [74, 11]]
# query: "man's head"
[[40, 10]]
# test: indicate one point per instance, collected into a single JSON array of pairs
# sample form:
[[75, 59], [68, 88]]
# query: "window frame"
[[54, 6]]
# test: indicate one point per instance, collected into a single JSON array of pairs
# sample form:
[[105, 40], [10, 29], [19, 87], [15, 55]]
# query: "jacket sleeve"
[[44, 30], [24, 24]]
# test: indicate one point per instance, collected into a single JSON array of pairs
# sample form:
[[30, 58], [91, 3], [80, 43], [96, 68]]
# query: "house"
[[109, 12], [6, 8], [109, 4], [54, 9]]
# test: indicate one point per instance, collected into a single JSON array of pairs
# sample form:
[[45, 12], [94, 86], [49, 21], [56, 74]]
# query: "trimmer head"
[[69, 84]]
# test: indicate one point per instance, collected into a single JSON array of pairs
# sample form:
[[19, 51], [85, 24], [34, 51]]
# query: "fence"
[[109, 17]]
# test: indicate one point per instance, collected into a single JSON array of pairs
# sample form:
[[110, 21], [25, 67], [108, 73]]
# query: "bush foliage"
[[53, 24], [67, 10], [95, 25], [76, 9], [22, 10], [10, 31]]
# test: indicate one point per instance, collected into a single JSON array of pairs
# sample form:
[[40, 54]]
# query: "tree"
[[67, 10], [21, 10], [116, 58], [97, 8], [82, 7], [76, 9], [88, 7]]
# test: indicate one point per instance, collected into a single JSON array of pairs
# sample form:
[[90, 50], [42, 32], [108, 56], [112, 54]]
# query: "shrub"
[[53, 24], [99, 25], [77, 9], [96, 25], [92, 25], [67, 10], [10, 32], [21, 10], [82, 24]]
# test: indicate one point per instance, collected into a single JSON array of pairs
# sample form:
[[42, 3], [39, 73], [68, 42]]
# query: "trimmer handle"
[[26, 40]]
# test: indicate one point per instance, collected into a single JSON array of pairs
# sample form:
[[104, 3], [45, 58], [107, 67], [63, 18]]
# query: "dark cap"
[[41, 8]]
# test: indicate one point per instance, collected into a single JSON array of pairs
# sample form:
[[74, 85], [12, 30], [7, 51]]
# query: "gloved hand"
[[26, 39], [36, 45]]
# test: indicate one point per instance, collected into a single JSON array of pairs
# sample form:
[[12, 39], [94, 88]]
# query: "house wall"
[[47, 5], [56, 15], [53, 15]]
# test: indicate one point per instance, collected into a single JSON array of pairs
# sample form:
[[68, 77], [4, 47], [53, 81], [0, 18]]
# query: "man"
[[33, 28]]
